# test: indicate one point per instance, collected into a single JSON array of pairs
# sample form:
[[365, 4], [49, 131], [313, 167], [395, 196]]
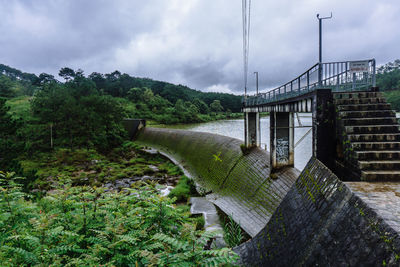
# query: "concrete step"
[[356, 101], [356, 95], [376, 176], [371, 129], [367, 114], [381, 165], [364, 107], [370, 121], [374, 137], [376, 145], [377, 155]]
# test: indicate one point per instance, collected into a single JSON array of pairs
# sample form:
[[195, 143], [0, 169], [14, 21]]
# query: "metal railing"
[[338, 76]]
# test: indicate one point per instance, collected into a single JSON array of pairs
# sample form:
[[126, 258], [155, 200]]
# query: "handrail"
[[339, 76]]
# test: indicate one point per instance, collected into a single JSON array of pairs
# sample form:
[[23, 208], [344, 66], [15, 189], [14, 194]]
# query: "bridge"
[[341, 209], [355, 132]]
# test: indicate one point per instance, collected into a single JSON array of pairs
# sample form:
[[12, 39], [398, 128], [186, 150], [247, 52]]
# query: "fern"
[[26, 256], [81, 226]]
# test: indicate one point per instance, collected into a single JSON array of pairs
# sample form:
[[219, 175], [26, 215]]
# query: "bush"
[[233, 235], [83, 226], [183, 190]]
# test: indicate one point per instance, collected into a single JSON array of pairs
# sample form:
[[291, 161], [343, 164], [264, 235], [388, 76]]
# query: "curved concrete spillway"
[[238, 184], [314, 220]]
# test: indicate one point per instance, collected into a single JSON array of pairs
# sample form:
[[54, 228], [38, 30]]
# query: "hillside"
[[388, 81], [14, 82]]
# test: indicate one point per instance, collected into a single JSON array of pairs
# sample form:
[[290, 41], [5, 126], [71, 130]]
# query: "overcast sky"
[[197, 43]]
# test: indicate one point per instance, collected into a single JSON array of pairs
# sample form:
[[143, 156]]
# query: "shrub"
[[183, 190], [83, 226], [233, 235]]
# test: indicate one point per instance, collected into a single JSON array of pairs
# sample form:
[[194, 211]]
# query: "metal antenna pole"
[[320, 47], [256, 73]]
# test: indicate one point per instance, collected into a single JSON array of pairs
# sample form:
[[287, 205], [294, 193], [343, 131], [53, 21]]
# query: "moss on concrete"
[[217, 163]]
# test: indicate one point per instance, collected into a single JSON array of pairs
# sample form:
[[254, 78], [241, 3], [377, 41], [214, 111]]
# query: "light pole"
[[256, 73], [320, 47]]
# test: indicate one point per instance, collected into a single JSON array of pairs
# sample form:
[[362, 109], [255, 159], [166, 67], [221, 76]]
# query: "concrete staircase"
[[369, 135]]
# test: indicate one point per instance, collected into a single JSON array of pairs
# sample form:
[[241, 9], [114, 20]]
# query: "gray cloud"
[[194, 42]]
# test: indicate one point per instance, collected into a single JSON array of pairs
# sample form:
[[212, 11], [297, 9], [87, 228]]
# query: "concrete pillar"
[[282, 139], [252, 129], [323, 126]]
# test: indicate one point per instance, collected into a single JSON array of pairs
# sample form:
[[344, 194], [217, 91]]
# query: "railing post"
[[298, 83], [308, 80], [320, 74], [373, 73]]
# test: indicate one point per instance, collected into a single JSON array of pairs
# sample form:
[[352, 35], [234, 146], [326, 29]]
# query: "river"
[[235, 129]]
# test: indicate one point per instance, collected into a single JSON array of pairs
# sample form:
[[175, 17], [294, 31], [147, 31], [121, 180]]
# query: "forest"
[[388, 80], [75, 192]]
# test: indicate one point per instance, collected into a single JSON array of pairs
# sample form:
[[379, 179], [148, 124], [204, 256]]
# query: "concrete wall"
[[321, 222], [240, 184]]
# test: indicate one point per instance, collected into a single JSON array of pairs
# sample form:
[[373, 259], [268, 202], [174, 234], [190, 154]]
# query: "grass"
[[20, 107], [234, 235], [183, 190]]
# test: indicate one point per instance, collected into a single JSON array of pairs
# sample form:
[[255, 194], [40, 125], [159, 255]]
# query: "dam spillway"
[[238, 183]]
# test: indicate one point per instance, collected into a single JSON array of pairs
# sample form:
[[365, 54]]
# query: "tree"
[[202, 107], [9, 147], [67, 73], [6, 86], [216, 106], [79, 115], [44, 78]]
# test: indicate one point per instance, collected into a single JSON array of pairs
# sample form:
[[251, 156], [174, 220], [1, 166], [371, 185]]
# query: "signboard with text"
[[359, 66]]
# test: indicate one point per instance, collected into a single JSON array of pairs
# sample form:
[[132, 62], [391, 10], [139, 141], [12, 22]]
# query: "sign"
[[359, 66]]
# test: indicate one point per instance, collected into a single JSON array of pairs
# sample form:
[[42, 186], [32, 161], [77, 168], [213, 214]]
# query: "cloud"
[[194, 42]]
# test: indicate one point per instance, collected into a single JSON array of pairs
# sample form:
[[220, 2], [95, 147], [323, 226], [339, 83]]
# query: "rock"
[[154, 168], [165, 191], [146, 178], [151, 151]]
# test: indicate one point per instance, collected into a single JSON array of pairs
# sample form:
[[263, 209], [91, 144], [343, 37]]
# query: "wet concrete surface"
[[200, 205], [382, 197]]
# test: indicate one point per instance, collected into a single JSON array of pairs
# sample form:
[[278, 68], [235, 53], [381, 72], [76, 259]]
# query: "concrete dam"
[[295, 219], [343, 208]]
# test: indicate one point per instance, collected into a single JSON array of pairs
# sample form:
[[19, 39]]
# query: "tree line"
[[388, 81], [87, 111]]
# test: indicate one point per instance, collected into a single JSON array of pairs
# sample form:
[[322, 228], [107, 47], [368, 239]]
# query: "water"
[[235, 129]]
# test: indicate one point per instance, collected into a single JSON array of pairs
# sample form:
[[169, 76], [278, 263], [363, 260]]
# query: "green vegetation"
[[393, 97], [41, 114], [83, 226], [88, 167], [388, 80], [183, 190], [388, 76], [67, 140], [233, 234]]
